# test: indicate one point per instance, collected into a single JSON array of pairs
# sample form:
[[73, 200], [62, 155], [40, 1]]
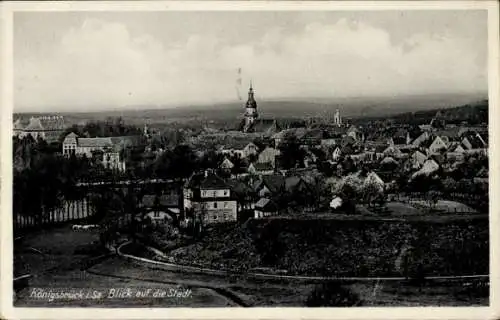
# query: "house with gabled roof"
[[49, 128], [226, 165], [337, 152], [265, 208], [429, 167], [209, 197], [354, 132], [110, 147], [268, 155], [261, 168], [421, 139], [392, 151], [270, 186], [474, 143], [243, 193], [437, 145]]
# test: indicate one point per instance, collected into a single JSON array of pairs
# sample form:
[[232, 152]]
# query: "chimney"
[[206, 173]]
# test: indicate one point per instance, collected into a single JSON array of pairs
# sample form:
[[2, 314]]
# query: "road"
[[55, 266]]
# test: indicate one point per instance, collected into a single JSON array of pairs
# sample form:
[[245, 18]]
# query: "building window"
[[215, 205], [215, 217], [214, 193], [225, 192]]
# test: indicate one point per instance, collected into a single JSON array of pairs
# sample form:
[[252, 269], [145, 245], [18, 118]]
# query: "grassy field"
[[445, 206], [55, 263], [56, 268], [295, 293]]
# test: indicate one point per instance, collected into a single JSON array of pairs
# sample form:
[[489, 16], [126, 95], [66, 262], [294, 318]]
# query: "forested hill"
[[473, 113]]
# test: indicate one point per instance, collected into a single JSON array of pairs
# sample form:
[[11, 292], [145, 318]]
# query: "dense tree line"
[[43, 178], [109, 128]]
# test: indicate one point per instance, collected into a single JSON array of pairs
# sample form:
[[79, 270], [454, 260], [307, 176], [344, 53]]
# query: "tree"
[[292, 154], [371, 192]]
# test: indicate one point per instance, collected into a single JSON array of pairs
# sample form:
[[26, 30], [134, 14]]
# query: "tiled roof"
[[265, 204], [95, 142], [239, 188], [267, 126], [475, 142], [388, 160], [126, 140], [275, 183], [263, 166], [194, 180], [227, 164], [34, 125], [213, 181], [236, 144], [399, 140], [71, 135], [292, 182], [44, 123], [453, 132], [52, 122]]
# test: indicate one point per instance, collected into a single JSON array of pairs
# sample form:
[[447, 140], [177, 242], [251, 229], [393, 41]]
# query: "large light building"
[[49, 128], [110, 148]]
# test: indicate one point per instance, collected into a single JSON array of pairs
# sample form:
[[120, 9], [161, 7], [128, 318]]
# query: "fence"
[[72, 210]]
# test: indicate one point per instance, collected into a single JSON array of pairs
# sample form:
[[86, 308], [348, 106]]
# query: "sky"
[[88, 61]]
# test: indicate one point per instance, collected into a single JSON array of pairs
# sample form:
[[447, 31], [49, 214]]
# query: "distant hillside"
[[472, 113], [315, 107]]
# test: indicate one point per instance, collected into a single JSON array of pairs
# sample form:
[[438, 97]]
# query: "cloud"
[[102, 64]]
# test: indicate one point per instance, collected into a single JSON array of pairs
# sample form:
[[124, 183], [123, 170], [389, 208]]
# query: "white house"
[[109, 146], [226, 164], [209, 197], [268, 155], [265, 168], [249, 150], [417, 160], [430, 166], [393, 151], [437, 145], [336, 154], [265, 208]]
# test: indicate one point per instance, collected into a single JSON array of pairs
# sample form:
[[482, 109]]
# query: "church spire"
[[251, 99], [250, 109]]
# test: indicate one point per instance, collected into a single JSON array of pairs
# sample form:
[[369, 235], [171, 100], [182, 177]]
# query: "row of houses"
[[217, 200]]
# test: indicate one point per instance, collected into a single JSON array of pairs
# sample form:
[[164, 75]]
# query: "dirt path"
[[49, 256]]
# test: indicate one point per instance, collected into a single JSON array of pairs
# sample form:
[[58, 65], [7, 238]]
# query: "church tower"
[[337, 119], [250, 109]]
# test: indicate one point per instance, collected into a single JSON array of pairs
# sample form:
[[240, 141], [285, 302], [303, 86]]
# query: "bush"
[[333, 295]]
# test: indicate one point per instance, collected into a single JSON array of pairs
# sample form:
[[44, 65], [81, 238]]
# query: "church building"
[[251, 122]]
